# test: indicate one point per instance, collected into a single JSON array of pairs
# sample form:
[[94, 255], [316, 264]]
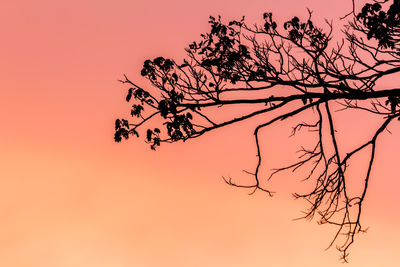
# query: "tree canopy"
[[283, 71]]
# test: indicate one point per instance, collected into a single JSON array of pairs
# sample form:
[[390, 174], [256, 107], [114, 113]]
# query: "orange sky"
[[70, 196]]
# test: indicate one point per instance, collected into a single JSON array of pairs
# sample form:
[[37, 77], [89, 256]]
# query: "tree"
[[307, 70]]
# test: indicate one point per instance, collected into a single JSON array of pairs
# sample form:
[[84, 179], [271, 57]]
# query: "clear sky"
[[70, 196]]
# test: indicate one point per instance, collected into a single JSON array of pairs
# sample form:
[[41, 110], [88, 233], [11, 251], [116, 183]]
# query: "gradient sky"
[[70, 196]]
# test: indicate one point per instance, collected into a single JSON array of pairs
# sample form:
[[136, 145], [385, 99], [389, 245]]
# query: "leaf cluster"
[[380, 24]]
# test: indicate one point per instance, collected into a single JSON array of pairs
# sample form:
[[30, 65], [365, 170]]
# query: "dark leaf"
[[158, 61], [149, 134], [129, 95], [117, 124]]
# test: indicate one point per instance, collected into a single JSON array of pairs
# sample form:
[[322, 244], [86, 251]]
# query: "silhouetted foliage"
[[312, 72]]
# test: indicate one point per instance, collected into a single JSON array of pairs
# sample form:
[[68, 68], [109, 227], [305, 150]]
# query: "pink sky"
[[70, 196]]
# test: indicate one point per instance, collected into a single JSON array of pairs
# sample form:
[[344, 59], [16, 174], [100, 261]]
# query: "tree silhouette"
[[282, 70]]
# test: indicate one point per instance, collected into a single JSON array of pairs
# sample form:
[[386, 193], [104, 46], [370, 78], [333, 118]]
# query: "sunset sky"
[[70, 196]]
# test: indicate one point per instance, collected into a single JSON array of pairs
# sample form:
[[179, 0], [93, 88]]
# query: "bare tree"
[[307, 69]]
